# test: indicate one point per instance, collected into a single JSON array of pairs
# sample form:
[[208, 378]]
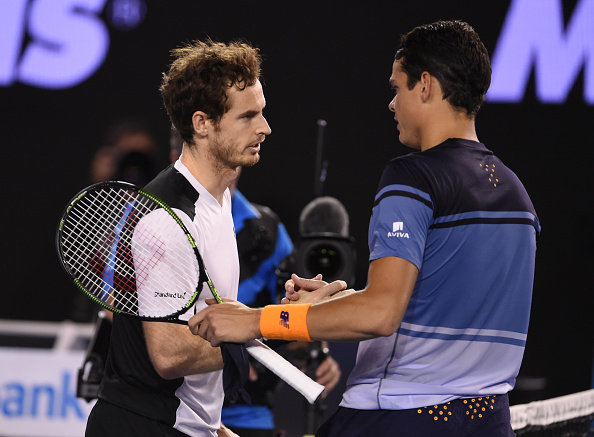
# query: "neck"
[[456, 125], [213, 178]]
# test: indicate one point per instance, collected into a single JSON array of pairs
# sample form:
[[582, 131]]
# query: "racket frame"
[[202, 275], [308, 388]]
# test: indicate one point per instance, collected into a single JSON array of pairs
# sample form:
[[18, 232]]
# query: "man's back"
[[465, 220]]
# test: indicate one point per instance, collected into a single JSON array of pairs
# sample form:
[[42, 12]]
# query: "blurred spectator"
[[131, 153]]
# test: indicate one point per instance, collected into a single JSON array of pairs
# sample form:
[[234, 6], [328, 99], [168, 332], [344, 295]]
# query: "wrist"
[[285, 322], [257, 313]]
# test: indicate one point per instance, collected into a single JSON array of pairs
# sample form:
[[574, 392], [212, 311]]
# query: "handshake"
[[234, 322]]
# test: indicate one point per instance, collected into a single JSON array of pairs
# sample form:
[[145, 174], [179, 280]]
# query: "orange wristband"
[[285, 322]]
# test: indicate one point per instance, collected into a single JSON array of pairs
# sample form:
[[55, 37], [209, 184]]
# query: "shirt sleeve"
[[165, 264], [402, 215]]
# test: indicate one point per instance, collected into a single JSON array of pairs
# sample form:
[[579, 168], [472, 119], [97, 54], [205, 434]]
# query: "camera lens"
[[324, 259]]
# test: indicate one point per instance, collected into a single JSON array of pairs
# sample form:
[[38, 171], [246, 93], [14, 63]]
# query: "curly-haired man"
[[160, 380]]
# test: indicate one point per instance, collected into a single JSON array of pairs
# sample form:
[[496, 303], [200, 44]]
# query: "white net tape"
[[546, 412]]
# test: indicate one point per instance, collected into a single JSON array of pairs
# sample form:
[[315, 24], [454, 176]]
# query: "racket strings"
[[94, 228], [102, 216], [170, 271], [165, 262], [83, 221], [128, 254]]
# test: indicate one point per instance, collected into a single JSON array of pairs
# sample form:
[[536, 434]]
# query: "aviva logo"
[[398, 231]]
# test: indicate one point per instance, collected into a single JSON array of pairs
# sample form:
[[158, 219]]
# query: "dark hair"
[[453, 53], [199, 77]]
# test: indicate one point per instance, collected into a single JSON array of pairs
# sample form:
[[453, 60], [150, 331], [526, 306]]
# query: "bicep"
[[399, 226], [391, 281], [162, 340], [174, 351]]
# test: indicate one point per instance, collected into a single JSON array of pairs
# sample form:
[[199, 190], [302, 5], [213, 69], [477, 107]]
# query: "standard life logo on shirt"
[[174, 295], [398, 231]]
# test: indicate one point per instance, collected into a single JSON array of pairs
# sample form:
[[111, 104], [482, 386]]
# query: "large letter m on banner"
[[533, 36]]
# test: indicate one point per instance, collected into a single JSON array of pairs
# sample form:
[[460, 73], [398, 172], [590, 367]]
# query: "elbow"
[[165, 368], [385, 330], [167, 373], [383, 326]]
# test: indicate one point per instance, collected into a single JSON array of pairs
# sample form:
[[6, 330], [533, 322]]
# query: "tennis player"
[[160, 380], [452, 238], [262, 243]]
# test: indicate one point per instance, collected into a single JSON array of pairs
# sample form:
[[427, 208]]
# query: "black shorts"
[[108, 420], [486, 416]]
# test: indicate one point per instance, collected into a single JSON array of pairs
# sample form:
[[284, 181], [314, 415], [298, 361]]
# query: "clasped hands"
[[315, 290], [234, 322]]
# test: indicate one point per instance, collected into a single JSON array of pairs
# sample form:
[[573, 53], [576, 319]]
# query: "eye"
[[248, 116]]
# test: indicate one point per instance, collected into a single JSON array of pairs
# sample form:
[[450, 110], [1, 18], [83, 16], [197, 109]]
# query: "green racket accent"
[[93, 298]]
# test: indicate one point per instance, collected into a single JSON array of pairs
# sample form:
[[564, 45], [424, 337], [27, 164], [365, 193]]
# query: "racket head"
[[129, 252]]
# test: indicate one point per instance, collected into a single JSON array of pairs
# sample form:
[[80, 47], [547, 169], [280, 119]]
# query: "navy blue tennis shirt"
[[466, 221]]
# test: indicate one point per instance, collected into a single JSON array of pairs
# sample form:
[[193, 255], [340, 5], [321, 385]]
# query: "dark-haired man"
[[160, 380], [444, 316]]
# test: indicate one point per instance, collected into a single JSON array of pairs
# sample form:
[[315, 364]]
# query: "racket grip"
[[310, 389]]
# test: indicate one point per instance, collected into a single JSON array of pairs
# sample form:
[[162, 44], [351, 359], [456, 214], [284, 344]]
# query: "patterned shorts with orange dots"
[[486, 416]]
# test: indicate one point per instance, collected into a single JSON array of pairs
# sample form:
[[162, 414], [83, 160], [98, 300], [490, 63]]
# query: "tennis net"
[[565, 416]]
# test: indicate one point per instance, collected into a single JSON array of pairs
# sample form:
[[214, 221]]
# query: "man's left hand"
[[230, 321]]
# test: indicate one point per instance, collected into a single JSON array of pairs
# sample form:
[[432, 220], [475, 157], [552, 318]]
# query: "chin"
[[408, 143], [251, 161]]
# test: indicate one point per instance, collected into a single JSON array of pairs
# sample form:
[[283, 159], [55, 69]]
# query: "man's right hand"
[[314, 290]]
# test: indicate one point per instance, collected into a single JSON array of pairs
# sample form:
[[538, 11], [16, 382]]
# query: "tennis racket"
[[132, 254]]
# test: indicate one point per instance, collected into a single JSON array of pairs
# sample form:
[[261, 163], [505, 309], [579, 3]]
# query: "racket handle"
[[310, 389]]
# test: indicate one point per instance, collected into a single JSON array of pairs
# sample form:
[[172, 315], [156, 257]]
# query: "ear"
[[427, 83], [200, 123]]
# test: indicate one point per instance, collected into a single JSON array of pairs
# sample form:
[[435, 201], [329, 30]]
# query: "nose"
[[265, 129], [392, 104]]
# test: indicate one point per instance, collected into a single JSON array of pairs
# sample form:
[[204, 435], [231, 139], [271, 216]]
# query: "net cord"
[[549, 411]]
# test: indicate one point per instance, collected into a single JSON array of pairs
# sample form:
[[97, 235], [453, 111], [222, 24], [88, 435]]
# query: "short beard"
[[224, 157]]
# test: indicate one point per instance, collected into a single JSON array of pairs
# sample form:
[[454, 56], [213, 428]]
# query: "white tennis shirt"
[[201, 396]]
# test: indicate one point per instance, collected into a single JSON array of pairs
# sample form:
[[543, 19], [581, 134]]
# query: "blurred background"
[[73, 70]]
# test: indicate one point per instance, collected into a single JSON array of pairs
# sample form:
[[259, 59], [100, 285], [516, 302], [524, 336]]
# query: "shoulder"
[[410, 170], [175, 190], [434, 167]]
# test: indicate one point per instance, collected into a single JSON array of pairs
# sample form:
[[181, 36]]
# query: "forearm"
[[375, 311], [175, 352], [354, 317]]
